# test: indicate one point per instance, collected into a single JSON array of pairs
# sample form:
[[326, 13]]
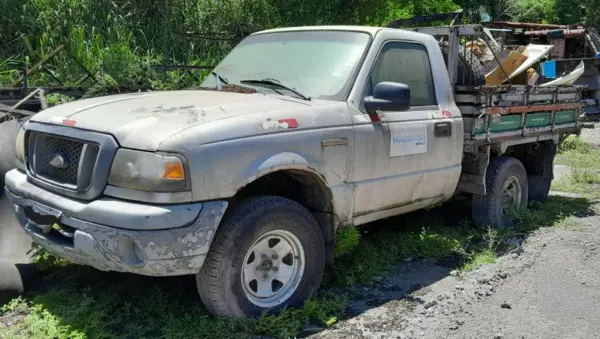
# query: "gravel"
[[529, 293]]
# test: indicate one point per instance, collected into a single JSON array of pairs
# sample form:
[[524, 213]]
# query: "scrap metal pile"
[[542, 55]]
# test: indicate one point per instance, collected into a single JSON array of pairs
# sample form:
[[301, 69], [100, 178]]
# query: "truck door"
[[410, 159]]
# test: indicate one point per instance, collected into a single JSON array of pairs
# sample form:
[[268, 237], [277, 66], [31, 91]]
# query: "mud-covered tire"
[[470, 71], [539, 188], [15, 278], [488, 209], [220, 283]]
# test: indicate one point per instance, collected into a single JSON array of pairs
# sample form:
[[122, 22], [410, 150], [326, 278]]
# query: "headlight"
[[20, 150], [148, 171]]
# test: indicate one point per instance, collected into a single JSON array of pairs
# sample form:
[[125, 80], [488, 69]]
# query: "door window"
[[406, 63]]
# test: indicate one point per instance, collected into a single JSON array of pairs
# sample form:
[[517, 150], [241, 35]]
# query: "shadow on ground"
[[436, 242], [418, 249]]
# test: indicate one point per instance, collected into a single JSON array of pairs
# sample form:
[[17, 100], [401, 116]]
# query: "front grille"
[[68, 161], [61, 160], [68, 150]]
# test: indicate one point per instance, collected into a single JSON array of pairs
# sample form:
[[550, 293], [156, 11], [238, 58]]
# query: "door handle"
[[443, 129]]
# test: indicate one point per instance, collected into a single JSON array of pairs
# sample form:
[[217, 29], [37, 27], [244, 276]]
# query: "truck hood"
[[145, 120]]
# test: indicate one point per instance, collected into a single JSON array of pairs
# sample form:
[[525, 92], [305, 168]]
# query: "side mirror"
[[390, 97]]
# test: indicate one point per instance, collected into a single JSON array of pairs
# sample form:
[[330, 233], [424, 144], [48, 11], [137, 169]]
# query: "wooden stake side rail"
[[531, 108]]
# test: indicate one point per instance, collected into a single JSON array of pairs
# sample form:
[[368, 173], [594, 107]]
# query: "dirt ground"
[[548, 286]]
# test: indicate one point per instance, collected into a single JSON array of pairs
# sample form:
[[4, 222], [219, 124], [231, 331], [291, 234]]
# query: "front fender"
[[278, 162]]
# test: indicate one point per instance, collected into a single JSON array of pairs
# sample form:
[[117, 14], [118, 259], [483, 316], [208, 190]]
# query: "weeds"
[[45, 261], [124, 38], [55, 99], [131, 306], [583, 175], [486, 256], [347, 239]]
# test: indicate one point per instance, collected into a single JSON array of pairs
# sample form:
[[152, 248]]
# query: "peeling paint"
[[179, 251], [272, 125]]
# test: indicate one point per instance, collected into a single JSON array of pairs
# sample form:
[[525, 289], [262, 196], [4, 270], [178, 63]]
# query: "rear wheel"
[[268, 253], [507, 192]]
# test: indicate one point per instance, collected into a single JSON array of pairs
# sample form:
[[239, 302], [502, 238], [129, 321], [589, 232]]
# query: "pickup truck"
[[297, 132]]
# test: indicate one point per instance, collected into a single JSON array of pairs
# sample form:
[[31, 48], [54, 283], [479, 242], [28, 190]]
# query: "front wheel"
[[268, 253], [507, 192]]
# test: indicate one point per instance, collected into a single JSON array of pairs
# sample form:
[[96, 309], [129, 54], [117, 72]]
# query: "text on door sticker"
[[408, 139]]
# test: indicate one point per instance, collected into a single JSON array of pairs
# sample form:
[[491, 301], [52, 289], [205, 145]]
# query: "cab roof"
[[365, 29]]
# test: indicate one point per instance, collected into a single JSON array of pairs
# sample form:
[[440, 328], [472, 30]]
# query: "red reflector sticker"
[[69, 122], [63, 121], [291, 122]]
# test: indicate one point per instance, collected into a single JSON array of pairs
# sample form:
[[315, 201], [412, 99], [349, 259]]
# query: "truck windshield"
[[318, 64]]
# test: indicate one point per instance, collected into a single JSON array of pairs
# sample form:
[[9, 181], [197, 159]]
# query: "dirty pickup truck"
[[298, 131]]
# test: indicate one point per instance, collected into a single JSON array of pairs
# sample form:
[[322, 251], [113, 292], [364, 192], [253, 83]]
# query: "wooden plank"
[[39, 65], [531, 108], [9, 109], [506, 99]]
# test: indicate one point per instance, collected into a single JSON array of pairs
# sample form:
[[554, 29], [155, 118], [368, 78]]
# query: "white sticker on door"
[[408, 139]]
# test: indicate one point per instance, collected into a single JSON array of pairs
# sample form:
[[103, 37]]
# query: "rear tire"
[[539, 188], [267, 254], [506, 179]]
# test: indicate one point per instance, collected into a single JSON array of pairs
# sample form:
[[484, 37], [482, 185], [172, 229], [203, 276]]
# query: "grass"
[[486, 256], [89, 304], [584, 175]]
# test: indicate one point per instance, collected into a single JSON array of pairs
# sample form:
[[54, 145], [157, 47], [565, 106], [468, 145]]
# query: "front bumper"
[[148, 249]]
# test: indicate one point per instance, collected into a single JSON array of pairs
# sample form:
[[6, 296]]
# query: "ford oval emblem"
[[58, 161]]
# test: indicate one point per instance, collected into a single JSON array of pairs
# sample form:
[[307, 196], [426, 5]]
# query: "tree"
[[543, 11], [570, 12], [592, 12]]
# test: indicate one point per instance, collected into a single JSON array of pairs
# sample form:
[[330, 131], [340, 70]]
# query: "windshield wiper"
[[275, 83], [220, 80]]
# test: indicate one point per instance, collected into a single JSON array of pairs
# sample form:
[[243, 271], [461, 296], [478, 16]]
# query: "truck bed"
[[500, 112]]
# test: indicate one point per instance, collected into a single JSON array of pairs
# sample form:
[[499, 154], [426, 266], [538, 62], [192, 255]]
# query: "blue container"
[[549, 69]]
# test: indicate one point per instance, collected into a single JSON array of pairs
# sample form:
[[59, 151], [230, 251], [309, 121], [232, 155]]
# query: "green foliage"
[[583, 176], [486, 256], [543, 11], [125, 38], [88, 304], [57, 99], [591, 9], [45, 261], [574, 143], [412, 235], [570, 12], [101, 87], [347, 239]]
